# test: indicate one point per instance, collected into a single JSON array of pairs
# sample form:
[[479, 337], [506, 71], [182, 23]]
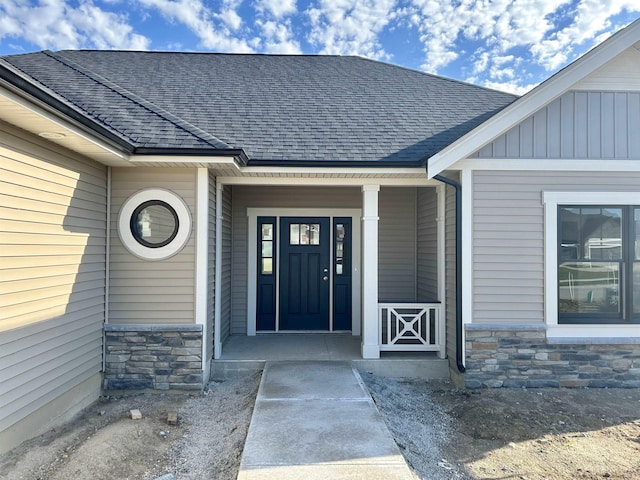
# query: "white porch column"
[[202, 262], [370, 326]]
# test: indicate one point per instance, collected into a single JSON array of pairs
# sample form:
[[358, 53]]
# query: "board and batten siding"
[[52, 277], [508, 238], [151, 292], [397, 245], [578, 125], [427, 245]]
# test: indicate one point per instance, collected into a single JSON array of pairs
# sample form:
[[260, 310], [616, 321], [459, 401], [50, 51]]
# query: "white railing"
[[411, 327]]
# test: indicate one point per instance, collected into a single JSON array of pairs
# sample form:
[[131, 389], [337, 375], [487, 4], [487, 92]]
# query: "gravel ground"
[[445, 433], [422, 428]]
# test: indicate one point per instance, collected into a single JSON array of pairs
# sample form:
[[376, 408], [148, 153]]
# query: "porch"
[[374, 258]]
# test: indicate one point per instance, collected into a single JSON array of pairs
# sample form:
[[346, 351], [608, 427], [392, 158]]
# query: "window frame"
[[154, 252], [551, 201]]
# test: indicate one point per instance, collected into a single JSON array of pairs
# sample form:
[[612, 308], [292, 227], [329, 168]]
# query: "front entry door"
[[304, 273]]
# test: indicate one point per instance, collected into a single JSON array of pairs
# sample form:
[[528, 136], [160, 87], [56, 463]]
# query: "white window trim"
[[254, 213], [551, 201], [184, 224]]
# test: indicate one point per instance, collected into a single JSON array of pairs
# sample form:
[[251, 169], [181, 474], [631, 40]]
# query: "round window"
[[154, 224]]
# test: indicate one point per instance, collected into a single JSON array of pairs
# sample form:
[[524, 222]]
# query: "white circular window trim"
[[149, 253]]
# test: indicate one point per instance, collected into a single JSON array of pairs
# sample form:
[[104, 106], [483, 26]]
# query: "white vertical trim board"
[[467, 245], [551, 200], [441, 199], [201, 258], [466, 177], [370, 326], [252, 258]]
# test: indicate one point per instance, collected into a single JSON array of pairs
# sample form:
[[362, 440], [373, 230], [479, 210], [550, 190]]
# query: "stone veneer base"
[[153, 357], [523, 356]]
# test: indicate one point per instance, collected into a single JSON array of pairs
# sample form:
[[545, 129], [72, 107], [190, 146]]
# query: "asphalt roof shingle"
[[298, 109]]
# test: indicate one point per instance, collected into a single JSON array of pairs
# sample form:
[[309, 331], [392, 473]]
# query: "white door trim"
[[252, 259]]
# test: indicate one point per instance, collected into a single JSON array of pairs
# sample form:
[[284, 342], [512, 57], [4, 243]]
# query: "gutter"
[[458, 188]]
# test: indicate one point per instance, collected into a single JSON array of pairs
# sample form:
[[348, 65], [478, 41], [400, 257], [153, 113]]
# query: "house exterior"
[[155, 204]]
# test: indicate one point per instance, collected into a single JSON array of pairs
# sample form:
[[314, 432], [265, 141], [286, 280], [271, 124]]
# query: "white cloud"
[[510, 30], [501, 25], [350, 27], [591, 25], [278, 38], [510, 87], [52, 24], [197, 18], [276, 8]]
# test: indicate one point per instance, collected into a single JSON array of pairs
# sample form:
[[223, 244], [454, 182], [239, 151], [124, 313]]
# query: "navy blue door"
[[304, 273]]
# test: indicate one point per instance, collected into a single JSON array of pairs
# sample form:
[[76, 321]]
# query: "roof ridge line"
[[161, 112]]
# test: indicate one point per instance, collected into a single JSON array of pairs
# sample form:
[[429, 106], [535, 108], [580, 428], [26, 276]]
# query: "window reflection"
[[267, 249], [340, 234], [304, 234]]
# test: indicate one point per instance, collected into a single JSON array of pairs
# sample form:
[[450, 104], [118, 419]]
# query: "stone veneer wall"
[[153, 357], [522, 356]]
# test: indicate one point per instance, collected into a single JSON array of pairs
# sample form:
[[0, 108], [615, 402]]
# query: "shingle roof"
[[294, 109]]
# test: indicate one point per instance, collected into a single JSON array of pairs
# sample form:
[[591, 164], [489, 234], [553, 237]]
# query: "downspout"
[[458, 188]]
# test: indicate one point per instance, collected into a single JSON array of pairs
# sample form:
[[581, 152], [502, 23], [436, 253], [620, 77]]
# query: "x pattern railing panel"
[[411, 327]]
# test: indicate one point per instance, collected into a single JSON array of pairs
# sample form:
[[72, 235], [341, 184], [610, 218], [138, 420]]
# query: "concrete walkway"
[[317, 421]]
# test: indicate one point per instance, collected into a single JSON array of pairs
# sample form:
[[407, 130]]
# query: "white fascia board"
[[534, 100], [186, 159], [329, 181], [324, 170]]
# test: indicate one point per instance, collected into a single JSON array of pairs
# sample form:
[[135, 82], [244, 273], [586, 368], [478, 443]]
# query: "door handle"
[[325, 278]]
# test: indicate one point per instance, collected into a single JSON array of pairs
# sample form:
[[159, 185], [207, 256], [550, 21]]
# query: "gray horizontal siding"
[[578, 125], [397, 245], [508, 238], [427, 245], [143, 291], [211, 266], [227, 262], [52, 272]]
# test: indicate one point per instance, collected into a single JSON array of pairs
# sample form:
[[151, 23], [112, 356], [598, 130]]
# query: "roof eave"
[[338, 163], [11, 79], [236, 153]]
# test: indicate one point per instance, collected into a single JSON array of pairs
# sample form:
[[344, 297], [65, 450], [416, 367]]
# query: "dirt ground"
[[524, 434], [444, 433]]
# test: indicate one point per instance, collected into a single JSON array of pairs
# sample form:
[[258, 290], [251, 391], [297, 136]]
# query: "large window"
[[598, 264]]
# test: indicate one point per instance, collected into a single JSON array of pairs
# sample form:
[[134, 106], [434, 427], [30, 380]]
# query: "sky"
[[509, 45]]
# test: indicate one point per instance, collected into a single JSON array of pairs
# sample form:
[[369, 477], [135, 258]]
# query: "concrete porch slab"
[[242, 355]]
